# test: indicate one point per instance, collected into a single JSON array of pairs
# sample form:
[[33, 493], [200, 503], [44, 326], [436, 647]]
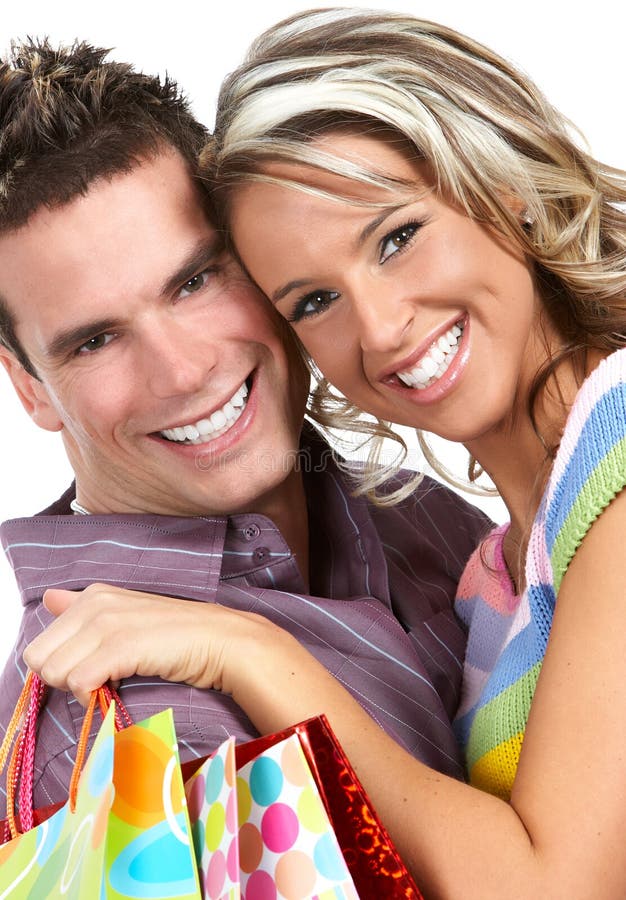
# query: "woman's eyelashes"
[[398, 240], [312, 304], [316, 302]]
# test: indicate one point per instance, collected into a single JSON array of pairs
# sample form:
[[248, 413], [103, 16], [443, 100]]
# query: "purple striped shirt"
[[379, 615]]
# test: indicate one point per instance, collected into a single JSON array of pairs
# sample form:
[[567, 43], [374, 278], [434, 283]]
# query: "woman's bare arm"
[[562, 835]]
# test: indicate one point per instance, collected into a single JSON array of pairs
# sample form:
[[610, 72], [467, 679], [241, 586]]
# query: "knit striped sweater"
[[507, 634]]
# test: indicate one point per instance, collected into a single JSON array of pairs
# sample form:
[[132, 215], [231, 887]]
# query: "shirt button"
[[250, 532], [260, 554]]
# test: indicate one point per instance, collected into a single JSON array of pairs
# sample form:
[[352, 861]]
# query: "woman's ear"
[[516, 205], [33, 394]]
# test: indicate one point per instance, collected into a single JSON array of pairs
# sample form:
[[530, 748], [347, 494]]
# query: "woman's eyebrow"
[[373, 225], [360, 240], [290, 286]]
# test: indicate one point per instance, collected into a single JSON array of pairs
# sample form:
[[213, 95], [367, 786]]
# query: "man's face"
[[138, 324]]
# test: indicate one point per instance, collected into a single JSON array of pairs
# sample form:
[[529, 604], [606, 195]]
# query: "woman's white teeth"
[[428, 366], [218, 419], [217, 423], [435, 361]]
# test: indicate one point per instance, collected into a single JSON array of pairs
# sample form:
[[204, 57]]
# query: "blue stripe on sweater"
[[517, 658]]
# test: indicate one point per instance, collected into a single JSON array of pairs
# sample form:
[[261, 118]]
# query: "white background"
[[575, 56]]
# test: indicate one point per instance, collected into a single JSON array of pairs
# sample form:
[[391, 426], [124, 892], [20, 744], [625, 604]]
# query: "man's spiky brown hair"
[[69, 117]]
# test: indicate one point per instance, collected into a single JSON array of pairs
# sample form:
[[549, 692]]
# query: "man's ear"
[[33, 394]]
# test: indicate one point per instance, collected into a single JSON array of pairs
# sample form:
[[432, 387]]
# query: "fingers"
[[106, 633], [68, 654], [64, 656], [53, 650], [57, 600], [86, 673]]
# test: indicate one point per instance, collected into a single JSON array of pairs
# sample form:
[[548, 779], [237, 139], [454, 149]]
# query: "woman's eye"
[[95, 343], [397, 240], [194, 284], [312, 304]]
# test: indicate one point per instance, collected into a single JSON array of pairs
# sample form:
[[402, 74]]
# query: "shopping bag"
[[123, 833], [64, 856], [263, 830], [304, 785], [269, 819]]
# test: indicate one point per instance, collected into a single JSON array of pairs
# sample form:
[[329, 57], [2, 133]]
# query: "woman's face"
[[413, 310]]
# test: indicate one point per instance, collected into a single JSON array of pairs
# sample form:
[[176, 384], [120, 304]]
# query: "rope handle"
[[104, 696], [20, 735]]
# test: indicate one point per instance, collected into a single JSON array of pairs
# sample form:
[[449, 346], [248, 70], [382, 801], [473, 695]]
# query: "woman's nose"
[[382, 318]]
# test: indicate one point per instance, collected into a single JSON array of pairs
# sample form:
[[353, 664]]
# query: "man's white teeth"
[[217, 423], [435, 361]]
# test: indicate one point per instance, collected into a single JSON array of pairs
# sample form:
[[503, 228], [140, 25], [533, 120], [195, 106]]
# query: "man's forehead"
[[137, 230], [141, 233]]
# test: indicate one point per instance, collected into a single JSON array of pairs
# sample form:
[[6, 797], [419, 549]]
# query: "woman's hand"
[[108, 633]]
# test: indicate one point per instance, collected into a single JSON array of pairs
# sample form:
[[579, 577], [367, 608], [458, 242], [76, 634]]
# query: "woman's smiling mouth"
[[435, 361]]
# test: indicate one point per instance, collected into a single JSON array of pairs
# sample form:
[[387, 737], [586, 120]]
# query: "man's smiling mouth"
[[205, 430]]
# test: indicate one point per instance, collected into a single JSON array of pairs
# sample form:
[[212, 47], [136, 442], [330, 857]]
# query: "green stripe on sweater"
[[604, 482], [503, 717]]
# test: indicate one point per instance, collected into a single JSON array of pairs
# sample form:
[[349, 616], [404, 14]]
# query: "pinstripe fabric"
[[379, 615]]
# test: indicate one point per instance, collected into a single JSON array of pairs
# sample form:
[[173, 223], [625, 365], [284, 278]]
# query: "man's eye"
[[397, 240], [312, 304], [95, 343], [194, 284]]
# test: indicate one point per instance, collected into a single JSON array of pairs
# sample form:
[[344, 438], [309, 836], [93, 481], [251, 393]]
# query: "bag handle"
[[20, 735], [104, 696]]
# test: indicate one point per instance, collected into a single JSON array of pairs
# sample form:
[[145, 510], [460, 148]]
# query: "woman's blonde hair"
[[484, 129]]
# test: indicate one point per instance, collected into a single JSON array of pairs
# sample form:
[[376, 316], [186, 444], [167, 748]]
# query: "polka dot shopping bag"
[[285, 817]]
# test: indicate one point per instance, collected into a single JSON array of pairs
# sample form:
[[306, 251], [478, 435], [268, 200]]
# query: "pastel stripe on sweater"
[[508, 635]]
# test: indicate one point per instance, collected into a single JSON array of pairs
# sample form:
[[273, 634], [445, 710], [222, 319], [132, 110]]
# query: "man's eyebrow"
[[68, 340], [199, 258], [361, 238], [72, 338]]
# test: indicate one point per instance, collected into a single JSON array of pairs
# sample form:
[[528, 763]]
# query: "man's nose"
[[177, 359]]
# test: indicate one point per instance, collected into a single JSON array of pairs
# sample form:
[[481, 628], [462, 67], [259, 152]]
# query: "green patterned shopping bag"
[[124, 832]]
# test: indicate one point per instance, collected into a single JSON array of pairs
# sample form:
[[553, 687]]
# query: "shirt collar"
[[188, 556]]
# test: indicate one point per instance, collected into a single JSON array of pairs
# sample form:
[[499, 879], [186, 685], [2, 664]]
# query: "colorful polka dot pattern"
[[212, 802], [129, 835], [264, 830]]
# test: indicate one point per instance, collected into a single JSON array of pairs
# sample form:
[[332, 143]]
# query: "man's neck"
[[287, 508]]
